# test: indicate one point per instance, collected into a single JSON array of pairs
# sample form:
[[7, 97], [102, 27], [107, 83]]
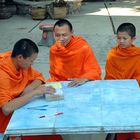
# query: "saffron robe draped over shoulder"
[[123, 63], [12, 83], [76, 60]]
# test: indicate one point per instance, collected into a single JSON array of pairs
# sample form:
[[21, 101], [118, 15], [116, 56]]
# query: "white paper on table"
[[58, 95]]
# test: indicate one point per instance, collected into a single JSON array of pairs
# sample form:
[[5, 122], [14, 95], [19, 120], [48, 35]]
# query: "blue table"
[[95, 107]]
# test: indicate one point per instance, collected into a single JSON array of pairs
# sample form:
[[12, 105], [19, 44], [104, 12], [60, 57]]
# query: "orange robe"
[[12, 83], [124, 63], [76, 60]]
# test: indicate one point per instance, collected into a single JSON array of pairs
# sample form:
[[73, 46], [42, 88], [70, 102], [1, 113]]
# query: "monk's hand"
[[45, 89], [77, 81]]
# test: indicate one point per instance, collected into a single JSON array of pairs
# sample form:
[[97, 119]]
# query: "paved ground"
[[93, 22]]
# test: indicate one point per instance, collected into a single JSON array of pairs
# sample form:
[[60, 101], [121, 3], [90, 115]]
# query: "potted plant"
[[59, 9]]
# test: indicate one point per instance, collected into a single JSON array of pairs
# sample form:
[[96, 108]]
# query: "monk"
[[19, 82], [123, 62], [71, 57]]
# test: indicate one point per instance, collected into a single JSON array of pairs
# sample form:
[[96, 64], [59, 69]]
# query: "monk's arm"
[[13, 104], [33, 85], [91, 69], [77, 81], [36, 79]]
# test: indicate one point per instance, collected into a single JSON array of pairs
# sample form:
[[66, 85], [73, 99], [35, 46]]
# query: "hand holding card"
[[58, 95]]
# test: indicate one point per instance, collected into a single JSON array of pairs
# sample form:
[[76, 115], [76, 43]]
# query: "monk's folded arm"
[[33, 85], [10, 106]]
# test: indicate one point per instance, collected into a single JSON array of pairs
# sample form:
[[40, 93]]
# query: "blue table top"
[[97, 106]]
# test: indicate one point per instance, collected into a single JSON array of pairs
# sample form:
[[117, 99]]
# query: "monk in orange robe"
[[71, 57], [19, 82], [123, 62]]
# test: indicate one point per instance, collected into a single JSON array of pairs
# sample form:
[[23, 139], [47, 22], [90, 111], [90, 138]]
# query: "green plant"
[[59, 3]]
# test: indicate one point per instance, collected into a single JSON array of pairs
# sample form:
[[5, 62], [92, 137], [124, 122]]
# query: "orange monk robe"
[[123, 63], [76, 60], [12, 84]]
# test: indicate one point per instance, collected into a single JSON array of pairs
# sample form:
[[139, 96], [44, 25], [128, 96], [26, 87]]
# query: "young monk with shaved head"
[[71, 57], [19, 82], [123, 62]]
